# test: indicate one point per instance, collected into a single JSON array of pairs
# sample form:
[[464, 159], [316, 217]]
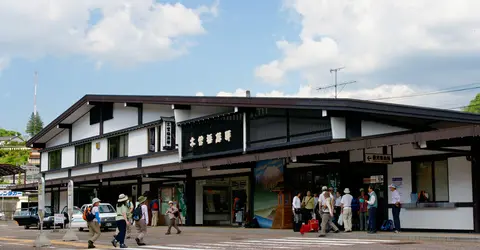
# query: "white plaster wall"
[[59, 139], [120, 166], [82, 129], [339, 129], [460, 180], [403, 170], [160, 160], [56, 175], [199, 172], [99, 155], [123, 117], [44, 162], [180, 115], [370, 128], [153, 112], [138, 142], [85, 171], [68, 156], [407, 150], [63, 200], [460, 218]]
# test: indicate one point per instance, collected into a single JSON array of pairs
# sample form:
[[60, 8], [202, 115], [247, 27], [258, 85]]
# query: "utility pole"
[[336, 70]]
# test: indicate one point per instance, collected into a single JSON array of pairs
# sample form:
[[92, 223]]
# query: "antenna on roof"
[[35, 95], [336, 84]]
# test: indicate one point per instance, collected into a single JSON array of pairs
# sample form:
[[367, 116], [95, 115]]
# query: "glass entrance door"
[[216, 206]]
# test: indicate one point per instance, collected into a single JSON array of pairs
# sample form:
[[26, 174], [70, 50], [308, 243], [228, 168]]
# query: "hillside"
[[13, 157]]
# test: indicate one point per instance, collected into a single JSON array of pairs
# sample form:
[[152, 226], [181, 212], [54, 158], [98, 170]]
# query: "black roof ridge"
[[347, 104]]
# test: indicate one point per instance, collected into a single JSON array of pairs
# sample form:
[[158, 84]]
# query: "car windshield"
[[106, 209], [77, 211], [25, 212]]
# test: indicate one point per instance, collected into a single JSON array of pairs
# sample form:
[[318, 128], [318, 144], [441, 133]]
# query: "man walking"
[[94, 225], [396, 207], [173, 214], [346, 204], [141, 224], [372, 211], [326, 211]]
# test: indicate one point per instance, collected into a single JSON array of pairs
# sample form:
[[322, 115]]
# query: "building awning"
[[7, 170], [209, 117]]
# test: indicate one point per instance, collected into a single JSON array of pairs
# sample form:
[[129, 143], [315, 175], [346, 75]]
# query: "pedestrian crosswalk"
[[269, 243]]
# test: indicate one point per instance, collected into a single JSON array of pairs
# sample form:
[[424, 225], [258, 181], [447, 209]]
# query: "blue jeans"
[[122, 230], [372, 219], [396, 217]]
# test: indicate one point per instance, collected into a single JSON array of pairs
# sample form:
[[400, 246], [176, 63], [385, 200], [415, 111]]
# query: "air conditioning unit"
[[169, 129]]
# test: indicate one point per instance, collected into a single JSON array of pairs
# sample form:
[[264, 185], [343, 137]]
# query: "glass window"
[[54, 159], [117, 147], [431, 179], [83, 154]]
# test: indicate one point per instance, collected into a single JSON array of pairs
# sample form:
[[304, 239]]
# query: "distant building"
[[4, 140]]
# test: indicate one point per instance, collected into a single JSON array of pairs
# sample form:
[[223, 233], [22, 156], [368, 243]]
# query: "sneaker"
[[321, 235], [123, 246], [90, 244], [167, 233], [114, 243], [396, 231], [179, 232]]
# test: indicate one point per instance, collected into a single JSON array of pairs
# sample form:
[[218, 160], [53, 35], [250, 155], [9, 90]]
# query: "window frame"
[[84, 146], [432, 196], [109, 152], [59, 151]]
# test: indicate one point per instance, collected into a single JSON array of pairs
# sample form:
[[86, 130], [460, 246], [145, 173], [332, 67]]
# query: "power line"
[[426, 93]]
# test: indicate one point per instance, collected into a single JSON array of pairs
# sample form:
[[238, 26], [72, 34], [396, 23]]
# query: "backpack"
[[155, 205], [387, 225], [87, 214], [137, 213]]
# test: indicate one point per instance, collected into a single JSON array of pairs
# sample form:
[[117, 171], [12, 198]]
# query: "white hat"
[[392, 186], [324, 188], [170, 202], [95, 200], [122, 197], [347, 190]]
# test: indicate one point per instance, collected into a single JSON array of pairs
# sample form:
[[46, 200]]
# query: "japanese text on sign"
[[218, 137]]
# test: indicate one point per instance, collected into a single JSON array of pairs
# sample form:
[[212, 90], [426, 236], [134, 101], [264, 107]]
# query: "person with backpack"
[[122, 221], [173, 213], [130, 208], [140, 216], [92, 216], [154, 206]]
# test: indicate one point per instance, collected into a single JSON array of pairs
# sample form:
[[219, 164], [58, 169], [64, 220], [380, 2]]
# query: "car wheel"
[[80, 229], [27, 227]]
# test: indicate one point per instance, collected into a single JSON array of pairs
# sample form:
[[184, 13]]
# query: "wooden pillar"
[[190, 199], [475, 149]]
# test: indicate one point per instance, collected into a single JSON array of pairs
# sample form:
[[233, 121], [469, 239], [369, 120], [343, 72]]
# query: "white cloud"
[[199, 94], [4, 62], [366, 35], [126, 32]]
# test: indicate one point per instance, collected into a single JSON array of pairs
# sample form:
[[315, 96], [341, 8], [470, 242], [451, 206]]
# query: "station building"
[[207, 152]]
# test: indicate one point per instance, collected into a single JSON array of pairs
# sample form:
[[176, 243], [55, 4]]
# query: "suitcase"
[[314, 226]]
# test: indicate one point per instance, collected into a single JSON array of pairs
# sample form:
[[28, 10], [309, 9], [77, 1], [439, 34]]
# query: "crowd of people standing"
[[335, 210]]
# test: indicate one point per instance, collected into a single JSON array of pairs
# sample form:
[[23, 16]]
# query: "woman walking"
[[122, 221]]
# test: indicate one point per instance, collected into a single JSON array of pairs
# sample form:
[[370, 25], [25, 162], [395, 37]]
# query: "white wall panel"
[[44, 162], [460, 218], [460, 180], [59, 139], [339, 129], [160, 160], [82, 129], [138, 142], [56, 175], [370, 128], [123, 117], [120, 166], [63, 200], [401, 170], [85, 171], [153, 112], [68, 157], [99, 155]]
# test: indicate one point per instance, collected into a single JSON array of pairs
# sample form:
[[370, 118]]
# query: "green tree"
[[474, 106], [34, 125], [14, 157], [4, 132]]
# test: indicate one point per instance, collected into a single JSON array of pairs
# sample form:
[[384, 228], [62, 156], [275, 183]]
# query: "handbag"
[[340, 220]]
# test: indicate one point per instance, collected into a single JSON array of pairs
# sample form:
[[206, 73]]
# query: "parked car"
[[28, 217], [65, 213], [107, 217]]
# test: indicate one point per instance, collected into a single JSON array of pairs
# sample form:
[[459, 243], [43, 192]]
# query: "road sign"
[[59, 219], [378, 158]]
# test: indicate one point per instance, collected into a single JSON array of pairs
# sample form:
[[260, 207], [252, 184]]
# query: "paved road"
[[196, 238]]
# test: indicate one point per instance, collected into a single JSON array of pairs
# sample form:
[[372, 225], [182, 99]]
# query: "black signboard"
[[210, 137]]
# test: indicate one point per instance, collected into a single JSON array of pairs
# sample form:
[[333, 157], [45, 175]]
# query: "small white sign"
[[59, 219]]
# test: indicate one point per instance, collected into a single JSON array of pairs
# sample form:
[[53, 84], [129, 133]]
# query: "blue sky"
[[239, 37]]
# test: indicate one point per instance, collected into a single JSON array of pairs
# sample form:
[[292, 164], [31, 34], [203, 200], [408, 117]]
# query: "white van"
[[107, 217]]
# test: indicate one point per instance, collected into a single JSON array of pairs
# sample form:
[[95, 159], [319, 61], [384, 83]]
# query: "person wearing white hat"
[[346, 204], [396, 207], [122, 221], [173, 214], [94, 225]]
